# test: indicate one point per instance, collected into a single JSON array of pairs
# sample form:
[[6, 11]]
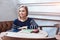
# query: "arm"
[[33, 24], [14, 28]]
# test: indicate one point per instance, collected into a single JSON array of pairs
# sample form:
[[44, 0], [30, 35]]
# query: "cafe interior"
[[46, 13]]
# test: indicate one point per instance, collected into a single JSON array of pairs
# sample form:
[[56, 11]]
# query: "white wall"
[[8, 10]]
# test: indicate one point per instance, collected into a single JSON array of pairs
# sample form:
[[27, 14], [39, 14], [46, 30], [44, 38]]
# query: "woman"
[[23, 21]]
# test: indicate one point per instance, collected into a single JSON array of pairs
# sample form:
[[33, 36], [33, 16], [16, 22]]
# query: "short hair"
[[26, 8]]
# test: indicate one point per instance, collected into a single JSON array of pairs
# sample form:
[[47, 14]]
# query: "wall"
[[8, 10]]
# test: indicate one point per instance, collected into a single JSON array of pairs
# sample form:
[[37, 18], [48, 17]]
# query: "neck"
[[22, 19]]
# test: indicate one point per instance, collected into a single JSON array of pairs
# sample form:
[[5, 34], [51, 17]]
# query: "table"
[[26, 36]]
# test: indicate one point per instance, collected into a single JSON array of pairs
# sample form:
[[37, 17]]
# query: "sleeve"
[[33, 24], [14, 27]]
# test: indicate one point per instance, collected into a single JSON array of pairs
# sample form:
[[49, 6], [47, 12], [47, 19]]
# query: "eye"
[[19, 10], [23, 10]]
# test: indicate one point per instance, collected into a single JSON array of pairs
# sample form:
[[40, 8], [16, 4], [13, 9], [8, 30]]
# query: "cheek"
[[19, 13], [22, 14]]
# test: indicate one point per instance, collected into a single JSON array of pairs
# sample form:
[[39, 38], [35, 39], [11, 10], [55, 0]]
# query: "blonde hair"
[[26, 8]]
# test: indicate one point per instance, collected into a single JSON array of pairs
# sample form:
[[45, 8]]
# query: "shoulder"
[[16, 20], [30, 18]]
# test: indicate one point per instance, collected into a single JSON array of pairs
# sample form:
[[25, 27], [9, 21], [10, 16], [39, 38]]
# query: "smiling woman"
[[23, 21]]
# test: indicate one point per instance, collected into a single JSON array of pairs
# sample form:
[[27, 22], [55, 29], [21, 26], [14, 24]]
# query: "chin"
[[23, 16]]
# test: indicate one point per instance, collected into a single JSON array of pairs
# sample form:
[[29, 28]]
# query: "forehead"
[[22, 8]]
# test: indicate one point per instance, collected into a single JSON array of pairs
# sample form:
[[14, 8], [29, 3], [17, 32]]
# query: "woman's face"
[[22, 12]]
